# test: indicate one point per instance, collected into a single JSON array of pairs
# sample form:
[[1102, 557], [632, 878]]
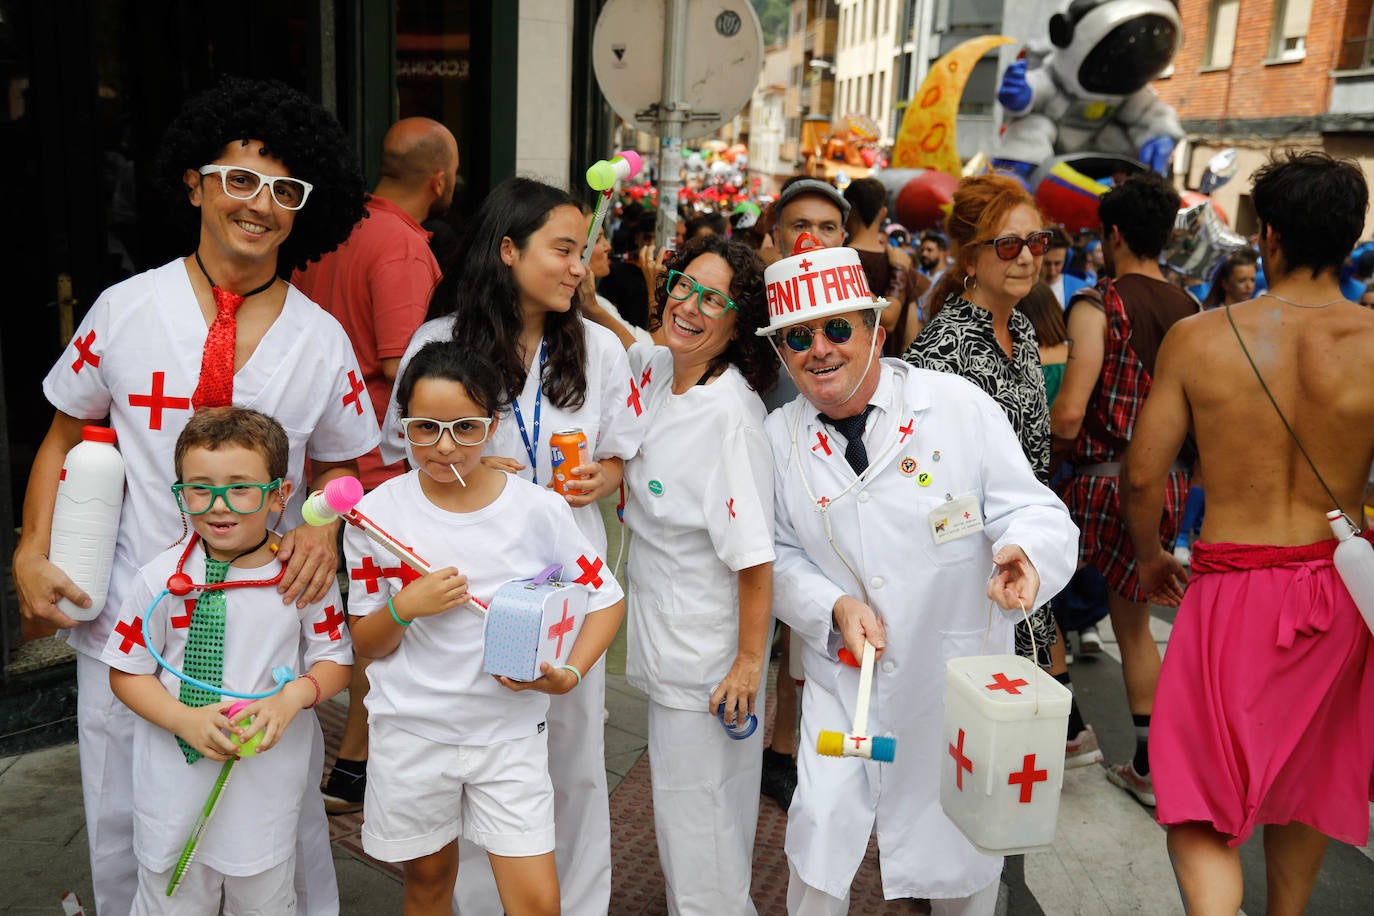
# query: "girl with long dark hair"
[[509, 294]]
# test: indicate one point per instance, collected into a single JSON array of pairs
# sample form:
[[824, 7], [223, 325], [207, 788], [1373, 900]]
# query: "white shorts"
[[269, 893], [422, 795]]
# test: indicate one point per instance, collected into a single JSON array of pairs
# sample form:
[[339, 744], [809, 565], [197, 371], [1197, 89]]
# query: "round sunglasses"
[[1008, 247], [799, 337]]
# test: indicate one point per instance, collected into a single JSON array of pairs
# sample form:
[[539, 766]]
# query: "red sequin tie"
[[216, 386]]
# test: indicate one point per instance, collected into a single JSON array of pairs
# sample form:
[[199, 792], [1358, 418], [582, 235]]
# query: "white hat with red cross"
[[815, 282]]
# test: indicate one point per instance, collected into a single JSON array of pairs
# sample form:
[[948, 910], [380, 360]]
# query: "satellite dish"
[[724, 50]]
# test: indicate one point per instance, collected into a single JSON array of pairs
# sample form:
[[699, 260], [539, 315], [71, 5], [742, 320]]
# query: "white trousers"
[[706, 809], [201, 889], [581, 811], [105, 735], [805, 900]]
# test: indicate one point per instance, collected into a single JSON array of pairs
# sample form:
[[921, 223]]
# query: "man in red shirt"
[[377, 284]]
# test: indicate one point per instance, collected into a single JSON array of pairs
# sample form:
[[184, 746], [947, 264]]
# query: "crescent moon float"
[[926, 140]]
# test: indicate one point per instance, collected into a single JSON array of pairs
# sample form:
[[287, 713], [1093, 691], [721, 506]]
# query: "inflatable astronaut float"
[[1092, 92]]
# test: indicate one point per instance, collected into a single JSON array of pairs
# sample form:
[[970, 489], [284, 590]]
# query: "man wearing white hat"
[[813, 207], [872, 462]]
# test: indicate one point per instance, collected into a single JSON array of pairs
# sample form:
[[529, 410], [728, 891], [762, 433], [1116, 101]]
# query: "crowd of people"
[[787, 458]]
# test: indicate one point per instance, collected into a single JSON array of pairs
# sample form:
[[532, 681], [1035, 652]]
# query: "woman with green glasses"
[[699, 499]]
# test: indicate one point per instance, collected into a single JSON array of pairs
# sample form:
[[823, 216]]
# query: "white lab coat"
[[932, 599]]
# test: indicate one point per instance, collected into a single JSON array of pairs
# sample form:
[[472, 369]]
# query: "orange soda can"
[[568, 449]]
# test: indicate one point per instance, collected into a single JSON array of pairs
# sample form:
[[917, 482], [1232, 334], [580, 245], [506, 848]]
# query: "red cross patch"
[[560, 629], [84, 355], [591, 571], [822, 441], [184, 621], [1001, 682], [961, 762], [823, 501], [633, 399], [330, 624], [644, 379], [1027, 777], [730, 506], [355, 386], [132, 631], [401, 571], [907, 430], [369, 572], [156, 402]]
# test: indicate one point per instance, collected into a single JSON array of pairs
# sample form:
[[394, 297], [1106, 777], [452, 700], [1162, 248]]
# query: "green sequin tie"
[[205, 646]]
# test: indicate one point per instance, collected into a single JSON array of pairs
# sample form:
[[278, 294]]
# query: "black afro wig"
[[292, 128]]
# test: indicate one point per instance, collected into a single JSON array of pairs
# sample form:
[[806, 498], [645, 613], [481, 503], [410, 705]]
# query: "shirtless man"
[[1264, 713]]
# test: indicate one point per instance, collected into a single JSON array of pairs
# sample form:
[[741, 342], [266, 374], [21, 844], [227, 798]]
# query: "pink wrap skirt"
[[1264, 712]]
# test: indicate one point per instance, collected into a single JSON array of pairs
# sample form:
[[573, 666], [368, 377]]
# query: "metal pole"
[[672, 118]]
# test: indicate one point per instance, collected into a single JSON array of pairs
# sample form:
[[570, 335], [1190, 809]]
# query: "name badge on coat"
[[956, 518]]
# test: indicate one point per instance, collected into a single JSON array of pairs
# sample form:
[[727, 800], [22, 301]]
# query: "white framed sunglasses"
[[244, 184], [423, 431]]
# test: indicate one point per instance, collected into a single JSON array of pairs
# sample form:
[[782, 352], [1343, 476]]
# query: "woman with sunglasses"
[[509, 293], [700, 504], [999, 238]]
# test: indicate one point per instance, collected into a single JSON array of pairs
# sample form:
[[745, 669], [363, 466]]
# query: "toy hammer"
[[859, 743], [338, 499], [602, 177]]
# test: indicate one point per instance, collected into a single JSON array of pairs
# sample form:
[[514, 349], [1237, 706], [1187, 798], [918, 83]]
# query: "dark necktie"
[[852, 428]]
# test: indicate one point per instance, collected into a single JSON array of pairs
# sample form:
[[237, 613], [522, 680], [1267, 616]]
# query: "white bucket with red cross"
[[1003, 765]]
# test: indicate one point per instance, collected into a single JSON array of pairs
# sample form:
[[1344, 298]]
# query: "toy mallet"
[[858, 743], [246, 749], [338, 499], [602, 177]]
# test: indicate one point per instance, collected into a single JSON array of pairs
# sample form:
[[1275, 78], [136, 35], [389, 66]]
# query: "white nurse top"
[[699, 502]]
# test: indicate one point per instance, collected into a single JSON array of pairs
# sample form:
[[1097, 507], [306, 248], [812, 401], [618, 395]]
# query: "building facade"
[[1256, 75], [868, 57]]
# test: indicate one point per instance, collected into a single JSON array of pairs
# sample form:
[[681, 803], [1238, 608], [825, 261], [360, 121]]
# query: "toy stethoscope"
[[180, 585], [823, 508]]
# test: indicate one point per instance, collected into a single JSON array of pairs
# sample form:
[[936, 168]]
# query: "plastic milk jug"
[[1354, 560], [85, 518]]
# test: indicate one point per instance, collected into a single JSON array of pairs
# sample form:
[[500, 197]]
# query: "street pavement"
[[1108, 857]]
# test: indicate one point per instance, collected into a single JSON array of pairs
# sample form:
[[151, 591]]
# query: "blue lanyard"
[[520, 420]]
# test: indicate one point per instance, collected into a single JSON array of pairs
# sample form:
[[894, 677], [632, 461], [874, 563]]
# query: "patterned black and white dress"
[[960, 340]]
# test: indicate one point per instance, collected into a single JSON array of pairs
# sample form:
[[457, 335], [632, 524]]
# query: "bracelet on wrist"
[[573, 669], [395, 616], [318, 694]]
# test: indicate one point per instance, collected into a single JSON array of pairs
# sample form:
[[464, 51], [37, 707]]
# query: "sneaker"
[[779, 777], [1183, 553], [1125, 776], [1089, 640], [343, 790], [1082, 751]]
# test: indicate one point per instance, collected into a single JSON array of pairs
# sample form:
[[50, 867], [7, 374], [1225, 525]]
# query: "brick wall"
[[1250, 89]]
